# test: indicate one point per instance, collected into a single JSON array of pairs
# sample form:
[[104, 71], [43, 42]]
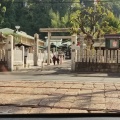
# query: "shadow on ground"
[[82, 103], [60, 71]]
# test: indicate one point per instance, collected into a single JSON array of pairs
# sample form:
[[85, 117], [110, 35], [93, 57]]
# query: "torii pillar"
[[48, 60], [36, 38]]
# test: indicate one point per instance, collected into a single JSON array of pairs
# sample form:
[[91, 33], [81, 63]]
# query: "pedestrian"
[[58, 60], [54, 59], [61, 59]]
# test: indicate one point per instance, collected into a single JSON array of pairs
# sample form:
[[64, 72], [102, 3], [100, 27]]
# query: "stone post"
[[10, 57], [73, 52], [36, 37], [49, 36], [82, 46], [23, 50]]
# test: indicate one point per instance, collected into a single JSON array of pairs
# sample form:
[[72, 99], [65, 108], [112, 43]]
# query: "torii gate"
[[73, 38]]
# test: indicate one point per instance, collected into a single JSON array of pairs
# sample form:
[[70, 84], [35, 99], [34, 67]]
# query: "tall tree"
[[110, 24], [87, 18], [61, 11], [2, 12]]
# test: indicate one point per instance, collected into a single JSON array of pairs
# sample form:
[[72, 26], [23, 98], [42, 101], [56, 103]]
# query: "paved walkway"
[[28, 97], [65, 65], [59, 93]]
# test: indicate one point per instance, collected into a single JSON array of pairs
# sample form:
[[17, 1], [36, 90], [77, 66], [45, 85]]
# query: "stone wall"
[[97, 67]]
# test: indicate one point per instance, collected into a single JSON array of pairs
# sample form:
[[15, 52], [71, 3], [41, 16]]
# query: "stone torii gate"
[[73, 39]]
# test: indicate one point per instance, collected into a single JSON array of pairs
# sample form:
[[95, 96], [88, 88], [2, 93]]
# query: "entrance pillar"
[[10, 54], [73, 51], [36, 37], [48, 60]]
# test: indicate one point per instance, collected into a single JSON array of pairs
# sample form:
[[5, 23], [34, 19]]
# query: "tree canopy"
[[31, 15]]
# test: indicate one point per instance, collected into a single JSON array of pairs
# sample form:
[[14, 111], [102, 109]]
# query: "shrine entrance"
[[61, 30]]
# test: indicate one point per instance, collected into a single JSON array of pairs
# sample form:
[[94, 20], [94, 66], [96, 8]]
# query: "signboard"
[[112, 43]]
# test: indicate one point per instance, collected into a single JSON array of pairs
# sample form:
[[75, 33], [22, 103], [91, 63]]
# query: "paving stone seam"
[[31, 87], [27, 93], [37, 106]]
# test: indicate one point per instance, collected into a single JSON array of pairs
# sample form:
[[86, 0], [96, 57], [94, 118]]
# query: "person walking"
[[58, 60], [54, 59]]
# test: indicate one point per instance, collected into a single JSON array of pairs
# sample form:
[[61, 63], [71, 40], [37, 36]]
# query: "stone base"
[[97, 67]]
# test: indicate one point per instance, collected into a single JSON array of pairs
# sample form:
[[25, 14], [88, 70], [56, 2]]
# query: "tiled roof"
[[21, 33], [10, 31]]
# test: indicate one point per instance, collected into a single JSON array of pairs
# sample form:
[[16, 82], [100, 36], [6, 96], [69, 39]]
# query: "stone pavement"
[[28, 97], [65, 65]]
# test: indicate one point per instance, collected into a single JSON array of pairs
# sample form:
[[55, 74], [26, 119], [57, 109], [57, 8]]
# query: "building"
[[20, 37], [23, 45]]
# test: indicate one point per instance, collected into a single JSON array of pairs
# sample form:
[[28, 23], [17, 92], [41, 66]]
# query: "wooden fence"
[[99, 56]]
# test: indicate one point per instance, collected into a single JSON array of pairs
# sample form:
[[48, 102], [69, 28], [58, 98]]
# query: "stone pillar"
[[49, 36], [23, 50], [36, 37], [73, 51], [10, 57], [82, 46]]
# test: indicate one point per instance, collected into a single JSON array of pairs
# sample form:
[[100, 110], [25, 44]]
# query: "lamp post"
[[17, 27]]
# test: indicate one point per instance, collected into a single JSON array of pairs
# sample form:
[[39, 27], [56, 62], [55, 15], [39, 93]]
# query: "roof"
[[66, 43], [112, 35], [20, 44], [21, 33], [54, 29], [56, 40], [10, 31]]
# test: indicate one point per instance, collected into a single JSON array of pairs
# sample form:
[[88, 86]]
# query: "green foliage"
[[110, 24], [57, 21], [87, 18], [38, 14]]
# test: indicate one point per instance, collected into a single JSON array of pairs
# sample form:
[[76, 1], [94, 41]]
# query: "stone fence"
[[16, 58]]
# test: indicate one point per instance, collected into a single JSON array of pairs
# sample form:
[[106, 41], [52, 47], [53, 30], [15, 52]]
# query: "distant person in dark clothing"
[[54, 59], [58, 60]]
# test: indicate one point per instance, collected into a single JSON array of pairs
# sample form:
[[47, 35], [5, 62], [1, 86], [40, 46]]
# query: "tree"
[[113, 6], [57, 21], [110, 24], [83, 21], [64, 6], [61, 13], [8, 13], [2, 13]]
